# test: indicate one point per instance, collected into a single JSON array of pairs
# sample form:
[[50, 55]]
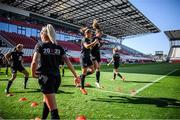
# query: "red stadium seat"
[[69, 45], [15, 39]]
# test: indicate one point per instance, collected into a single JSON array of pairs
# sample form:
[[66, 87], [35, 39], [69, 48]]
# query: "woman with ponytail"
[[95, 51], [51, 33], [85, 57], [45, 66]]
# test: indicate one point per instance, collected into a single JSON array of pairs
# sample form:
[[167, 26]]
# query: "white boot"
[[97, 85]]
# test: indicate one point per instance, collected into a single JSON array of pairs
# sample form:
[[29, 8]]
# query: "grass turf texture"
[[159, 101]]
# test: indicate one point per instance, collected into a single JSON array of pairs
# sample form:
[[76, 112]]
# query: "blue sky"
[[165, 14]]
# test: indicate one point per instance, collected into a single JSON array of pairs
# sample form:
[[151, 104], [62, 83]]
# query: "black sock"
[[54, 114], [114, 76], [8, 86], [119, 75], [89, 73], [82, 80], [25, 82], [7, 71], [97, 76], [45, 111], [63, 72]]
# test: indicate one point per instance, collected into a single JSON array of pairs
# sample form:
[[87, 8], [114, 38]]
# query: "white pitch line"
[[146, 86], [139, 90]]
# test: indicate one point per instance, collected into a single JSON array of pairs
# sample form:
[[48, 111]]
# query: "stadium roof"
[[117, 18], [173, 34]]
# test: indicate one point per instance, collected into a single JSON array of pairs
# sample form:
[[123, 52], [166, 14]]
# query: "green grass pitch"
[[151, 91]]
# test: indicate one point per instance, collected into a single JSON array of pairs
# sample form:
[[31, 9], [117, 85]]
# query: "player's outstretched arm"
[[8, 56], [110, 62], [91, 44]]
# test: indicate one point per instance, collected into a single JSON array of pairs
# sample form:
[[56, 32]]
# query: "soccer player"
[[1, 59], [45, 66], [85, 58], [15, 58], [95, 52], [116, 59], [3, 62]]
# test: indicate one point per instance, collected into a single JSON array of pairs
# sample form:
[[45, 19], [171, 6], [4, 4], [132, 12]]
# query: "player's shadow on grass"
[[32, 91], [133, 81], [159, 102], [73, 76], [73, 86], [64, 92], [3, 79], [38, 90]]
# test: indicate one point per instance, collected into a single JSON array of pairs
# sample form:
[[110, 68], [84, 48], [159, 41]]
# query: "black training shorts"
[[49, 84], [14, 69], [116, 65], [85, 62], [97, 58]]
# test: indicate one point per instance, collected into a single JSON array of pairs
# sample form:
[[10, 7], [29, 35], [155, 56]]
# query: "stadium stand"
[[73, 49], [174, 40], [175, 55], [69, 45], [15, 39]]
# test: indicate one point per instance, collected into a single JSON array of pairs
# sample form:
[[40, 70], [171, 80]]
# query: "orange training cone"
[[22, 99], [81, 117], [34, 104]]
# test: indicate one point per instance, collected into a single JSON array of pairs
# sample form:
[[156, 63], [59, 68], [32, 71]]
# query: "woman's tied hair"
[[18, 46], [115, 49], [96, 26], [84, 30], [50, 32]]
